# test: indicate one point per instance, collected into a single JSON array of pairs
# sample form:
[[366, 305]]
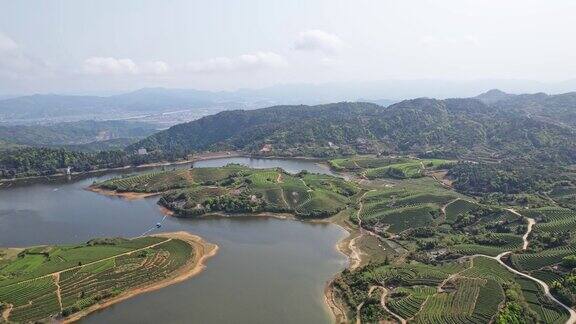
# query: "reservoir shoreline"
[[332, 303], [79, 183]]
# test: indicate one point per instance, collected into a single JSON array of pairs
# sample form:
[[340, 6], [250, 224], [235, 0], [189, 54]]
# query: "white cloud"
[[254, 61], [320, 41], [13, 61], [114, 66], [155, 67], [109, 65]]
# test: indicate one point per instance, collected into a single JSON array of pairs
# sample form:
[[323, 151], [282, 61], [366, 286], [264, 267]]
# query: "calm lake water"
[[266, 271]]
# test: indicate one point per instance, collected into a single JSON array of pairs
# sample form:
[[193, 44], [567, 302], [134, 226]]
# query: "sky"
[[79, 46]]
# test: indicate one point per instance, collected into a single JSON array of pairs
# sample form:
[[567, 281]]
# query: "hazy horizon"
[[109, 46]]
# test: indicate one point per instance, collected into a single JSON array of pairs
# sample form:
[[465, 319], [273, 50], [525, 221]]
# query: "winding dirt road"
[[383, 304], [570, 320], [498, 258], [531, 222]]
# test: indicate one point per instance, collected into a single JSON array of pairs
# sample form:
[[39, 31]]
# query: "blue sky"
[[68, 46]]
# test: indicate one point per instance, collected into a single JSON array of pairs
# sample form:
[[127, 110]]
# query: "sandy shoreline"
[[124, 195], [202, 252], [334, 304]]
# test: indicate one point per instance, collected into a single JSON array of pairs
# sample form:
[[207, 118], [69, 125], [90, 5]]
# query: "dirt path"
[[58, 290], [571, 319], [454, 275], [356, 254], [338, 312], [6, 313], [383, 304], [531, 223], [308, 189], [370, 290], [443, 209]]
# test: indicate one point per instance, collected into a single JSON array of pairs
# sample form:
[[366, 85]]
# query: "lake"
[[266, 271]]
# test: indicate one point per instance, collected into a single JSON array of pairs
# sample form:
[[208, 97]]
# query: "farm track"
[[355, 256], [6, 313], [370, 290], [571, 319], [383, 304], [443, 209], [498, 258], [58, 290]]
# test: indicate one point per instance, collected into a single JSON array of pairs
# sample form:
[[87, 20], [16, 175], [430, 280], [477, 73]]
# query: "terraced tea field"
[[58, 281], [238, 189], [554, 219], [540, 259], [387, 167]]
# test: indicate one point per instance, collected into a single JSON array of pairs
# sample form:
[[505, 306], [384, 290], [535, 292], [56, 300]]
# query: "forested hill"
[[536, 125]]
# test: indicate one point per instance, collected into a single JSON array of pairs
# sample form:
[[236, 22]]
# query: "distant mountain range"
[[47, 108], [76, 135], [51, 108]]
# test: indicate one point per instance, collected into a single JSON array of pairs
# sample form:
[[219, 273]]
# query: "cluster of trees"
[[545, 240], [510, 177], [515, 310], [565, 288], [47, 161]]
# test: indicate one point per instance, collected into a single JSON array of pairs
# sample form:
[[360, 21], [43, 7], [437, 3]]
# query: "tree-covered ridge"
[[456, 128], [47, 161], [237, 189]]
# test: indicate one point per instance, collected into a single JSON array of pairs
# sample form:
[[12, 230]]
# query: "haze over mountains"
[[52, 108]]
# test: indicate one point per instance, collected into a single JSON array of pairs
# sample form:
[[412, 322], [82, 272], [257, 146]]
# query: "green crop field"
[[388, 167], [537, 260], [407, 301], [457, 208], [57, 281], [554, 219]]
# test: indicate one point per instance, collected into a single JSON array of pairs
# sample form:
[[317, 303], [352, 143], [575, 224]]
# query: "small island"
[[67, 282]]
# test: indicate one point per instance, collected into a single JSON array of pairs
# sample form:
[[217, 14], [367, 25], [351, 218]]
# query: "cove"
[[267, 270]]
